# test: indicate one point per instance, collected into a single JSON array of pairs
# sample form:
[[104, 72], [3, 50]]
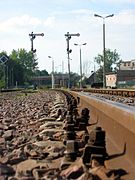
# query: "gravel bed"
[[24, 144]]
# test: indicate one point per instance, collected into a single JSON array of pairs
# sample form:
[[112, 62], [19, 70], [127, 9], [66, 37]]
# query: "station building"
[[125, 76], [59, 80]]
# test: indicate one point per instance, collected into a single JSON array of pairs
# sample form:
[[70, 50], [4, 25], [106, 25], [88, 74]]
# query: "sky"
[[54, 18]]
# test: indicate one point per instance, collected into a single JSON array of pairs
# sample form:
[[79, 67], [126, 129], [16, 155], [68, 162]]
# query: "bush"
[[2, 84]]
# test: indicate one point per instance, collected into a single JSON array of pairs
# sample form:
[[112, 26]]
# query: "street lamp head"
[[49, 56], [111, 15], [79, 44], [96, 15]]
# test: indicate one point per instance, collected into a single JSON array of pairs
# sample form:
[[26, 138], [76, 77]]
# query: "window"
[[124, 63], [128, 63]]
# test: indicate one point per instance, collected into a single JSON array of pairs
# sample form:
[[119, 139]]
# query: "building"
[[59, 80], [125, 76], [111, 80], [127, 65], [91, 79]]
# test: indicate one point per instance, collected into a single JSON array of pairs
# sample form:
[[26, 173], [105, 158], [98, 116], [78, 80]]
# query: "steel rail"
[[118, 120], [118, 92]]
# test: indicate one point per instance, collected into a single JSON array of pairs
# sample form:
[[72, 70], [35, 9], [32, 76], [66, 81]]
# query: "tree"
[[3, 71], [41, 73], [74, 77], [112, 58], [22, 63], [19, 69]]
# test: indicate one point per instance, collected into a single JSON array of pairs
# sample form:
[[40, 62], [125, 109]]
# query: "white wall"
[[111, 80]]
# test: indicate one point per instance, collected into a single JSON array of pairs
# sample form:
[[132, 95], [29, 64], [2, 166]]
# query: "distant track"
[[118, 92], [117, 95]]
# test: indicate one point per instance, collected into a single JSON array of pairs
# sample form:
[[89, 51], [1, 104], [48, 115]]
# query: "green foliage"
[[112, 58], [2, 71], [41, 73], [19, 69], [2, 84], [21, 63], [74, 79], [99, 73]]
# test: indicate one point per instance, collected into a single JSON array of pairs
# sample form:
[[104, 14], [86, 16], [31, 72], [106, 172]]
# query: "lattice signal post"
[[68, 37], [32, 37]]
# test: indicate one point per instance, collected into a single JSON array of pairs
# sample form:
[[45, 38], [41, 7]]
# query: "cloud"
[[119, 35], [49, 22], [16, 22], [25, 21], [117, 1], [125, 17]]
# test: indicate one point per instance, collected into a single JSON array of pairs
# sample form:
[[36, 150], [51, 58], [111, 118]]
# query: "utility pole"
[[68, 37]]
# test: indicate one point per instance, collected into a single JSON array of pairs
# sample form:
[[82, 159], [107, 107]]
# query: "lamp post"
[[62, 73], [80, 61], [104, 17], [52, 71]]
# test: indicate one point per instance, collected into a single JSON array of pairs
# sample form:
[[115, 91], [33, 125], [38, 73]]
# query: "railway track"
[[118, 120], [122, 96], [65, 135], [117, 92]]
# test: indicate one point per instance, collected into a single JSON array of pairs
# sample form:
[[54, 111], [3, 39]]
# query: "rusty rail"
[[118, 120], [118, 92]]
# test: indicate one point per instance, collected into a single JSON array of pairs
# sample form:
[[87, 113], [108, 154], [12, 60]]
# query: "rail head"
[[121, 113]]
